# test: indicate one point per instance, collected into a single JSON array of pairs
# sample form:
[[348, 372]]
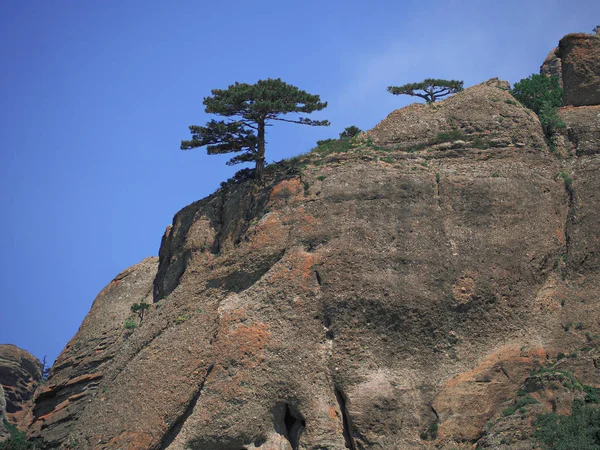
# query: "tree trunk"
[[260, 157]]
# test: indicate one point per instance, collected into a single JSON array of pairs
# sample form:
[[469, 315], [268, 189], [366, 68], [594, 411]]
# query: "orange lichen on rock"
[[467, 401], [297, 271], [286, 190]]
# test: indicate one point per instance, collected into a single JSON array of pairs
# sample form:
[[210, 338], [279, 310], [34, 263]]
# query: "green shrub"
[[130, 324], [580, 430], [543, 95], [16, 440], [181, 319], [538, 91], [350, 132], [520, 403]]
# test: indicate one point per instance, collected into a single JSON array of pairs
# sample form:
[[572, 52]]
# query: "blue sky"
[[97, 95]]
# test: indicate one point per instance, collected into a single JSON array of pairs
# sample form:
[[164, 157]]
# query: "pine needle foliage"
[[430, 89], [543, 95], [249, 109]]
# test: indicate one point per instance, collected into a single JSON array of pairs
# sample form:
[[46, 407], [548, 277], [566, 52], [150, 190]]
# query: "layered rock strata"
[[20, 375]]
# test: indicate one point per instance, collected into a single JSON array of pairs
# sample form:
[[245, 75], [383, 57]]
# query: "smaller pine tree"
[[431, 89], [140, 309]]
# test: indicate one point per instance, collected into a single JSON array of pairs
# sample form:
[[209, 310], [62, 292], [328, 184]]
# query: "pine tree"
[[431, 88], [249, 109]]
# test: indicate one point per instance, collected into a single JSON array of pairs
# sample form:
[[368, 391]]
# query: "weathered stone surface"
[[20, 375], [582, 134], [485, 116], [77, 375], [580, 57], [552, 66], [371, 297]]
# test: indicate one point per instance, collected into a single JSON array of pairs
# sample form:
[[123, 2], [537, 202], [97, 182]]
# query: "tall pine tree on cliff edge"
[[249, 109]]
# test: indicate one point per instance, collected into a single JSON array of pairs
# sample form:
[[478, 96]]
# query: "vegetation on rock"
[[254, 105], [140, 309], [580, 429], [16, 440], [350, 132], [543, 95], [432, 89]]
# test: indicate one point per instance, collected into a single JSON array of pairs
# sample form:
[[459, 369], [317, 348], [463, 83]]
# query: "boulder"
[[580, 58], [582, 133]]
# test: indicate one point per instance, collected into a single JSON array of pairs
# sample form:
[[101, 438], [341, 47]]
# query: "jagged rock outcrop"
[[363, 299], [552, 66], [20, 375], [78, 375], [580, 58], [579, 55]]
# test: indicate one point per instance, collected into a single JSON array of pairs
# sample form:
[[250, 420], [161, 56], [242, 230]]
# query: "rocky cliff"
[[20, 375], [404, 289]]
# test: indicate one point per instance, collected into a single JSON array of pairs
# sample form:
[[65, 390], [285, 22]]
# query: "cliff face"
[[393, 292], [79, 370]]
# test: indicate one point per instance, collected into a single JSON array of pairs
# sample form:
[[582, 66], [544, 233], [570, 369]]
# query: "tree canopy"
[[543, 95], [432, 89], [249, 108], [537, 89]]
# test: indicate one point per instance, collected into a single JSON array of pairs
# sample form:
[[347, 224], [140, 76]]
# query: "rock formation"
[[580, 68], [79, 370], [411, 288], [20, 375], [552, 66], [579, 55]]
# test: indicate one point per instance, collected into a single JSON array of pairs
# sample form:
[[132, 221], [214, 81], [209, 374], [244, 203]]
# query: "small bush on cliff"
[[580, 430], [543, 95], [350, 132], [130, 324], [16, 440], [140, 309]]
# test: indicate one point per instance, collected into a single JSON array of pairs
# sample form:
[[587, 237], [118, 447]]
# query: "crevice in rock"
[[437, 418], [318, 277], [327, 324], [176, 427], [289, 423], [346, 422]]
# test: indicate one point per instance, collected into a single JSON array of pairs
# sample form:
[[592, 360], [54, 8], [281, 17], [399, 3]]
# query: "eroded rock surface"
[[396, 295], [552, 66], [582, 132], [78, 375], [20, 375], [580, 58]]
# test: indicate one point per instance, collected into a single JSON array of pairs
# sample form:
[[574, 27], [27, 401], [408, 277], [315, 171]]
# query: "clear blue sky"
[[95, 97]]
